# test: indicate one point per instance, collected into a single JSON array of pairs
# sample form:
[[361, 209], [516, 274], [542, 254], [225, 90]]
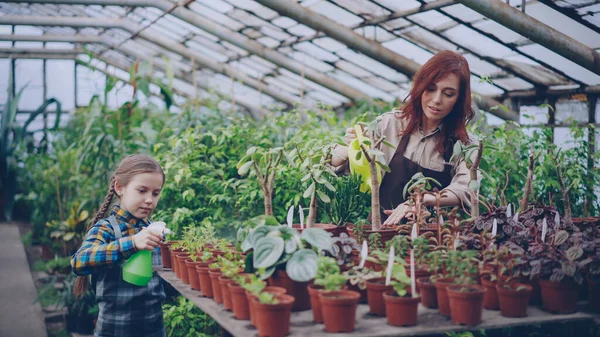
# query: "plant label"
[[388, 274], [413, 286], [544, 230], [301, 212], [508, 211], [495, 228], [441, 220], [516, 217], [364, 252], [413, 235], [556, 221], [456, 242], [290, 216]]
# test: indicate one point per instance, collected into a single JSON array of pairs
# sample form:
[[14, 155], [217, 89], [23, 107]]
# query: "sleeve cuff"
[[127, 246]]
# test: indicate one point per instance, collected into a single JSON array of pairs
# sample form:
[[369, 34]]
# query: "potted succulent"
[[287, 258], [466, 297], [338, 306], [346, 201], [202, 272], [273, 313], [400, 305], [254, 286]]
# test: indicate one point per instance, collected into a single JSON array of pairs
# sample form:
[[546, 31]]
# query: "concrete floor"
[[20, 314]]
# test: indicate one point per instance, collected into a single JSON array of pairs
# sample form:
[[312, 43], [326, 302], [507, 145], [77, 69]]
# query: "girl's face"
[[141, 195], [439, 98]]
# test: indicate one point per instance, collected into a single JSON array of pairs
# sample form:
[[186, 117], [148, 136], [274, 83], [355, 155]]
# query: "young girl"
[[125, 309]]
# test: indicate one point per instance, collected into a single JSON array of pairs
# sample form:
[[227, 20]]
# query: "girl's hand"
[[396, 215], [146, 240], [350, 135]]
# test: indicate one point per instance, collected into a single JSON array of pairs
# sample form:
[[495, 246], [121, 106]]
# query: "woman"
[[424, 132]]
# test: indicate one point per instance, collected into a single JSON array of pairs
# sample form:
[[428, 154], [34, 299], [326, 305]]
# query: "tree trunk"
[[268, 200], [473, 176], [528, 185]]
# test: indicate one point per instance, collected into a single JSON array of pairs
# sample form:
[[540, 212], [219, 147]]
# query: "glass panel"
[[336, 13], [59, 79], [27, 73], [570, 110]]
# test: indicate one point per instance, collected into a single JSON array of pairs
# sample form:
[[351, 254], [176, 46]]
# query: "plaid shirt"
[[125, 309]]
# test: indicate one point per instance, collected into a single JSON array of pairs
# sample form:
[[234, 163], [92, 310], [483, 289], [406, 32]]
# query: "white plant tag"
[[364, 252], [544, 230], [413, 286], [301, 211], [508, 211], [441, 220], [516, 217], [495, 227], [290, 216], [556, 221], [413, 235], [388, 275], [456, 242]]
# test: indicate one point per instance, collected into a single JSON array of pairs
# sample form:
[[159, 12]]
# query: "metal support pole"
[[153, 37], [592, 104], [537, 32], [75, 84], [238, 39]]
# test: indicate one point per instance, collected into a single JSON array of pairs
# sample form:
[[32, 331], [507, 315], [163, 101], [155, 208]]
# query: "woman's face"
[[439, 98]]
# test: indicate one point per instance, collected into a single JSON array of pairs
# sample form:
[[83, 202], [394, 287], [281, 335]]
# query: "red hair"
[[437, 68]]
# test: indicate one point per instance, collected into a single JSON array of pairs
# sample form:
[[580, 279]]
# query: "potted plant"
[[513, 296], [202, 271], [357, 279], [342, 248], [327, 278], [338, 306], [401, 305], [273, 313], [376, 286], [289, 259], [346, 201], [254, 286], [229, 269], [466, 297]]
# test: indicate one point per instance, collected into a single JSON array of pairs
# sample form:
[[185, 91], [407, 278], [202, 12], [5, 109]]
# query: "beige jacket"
[[421, 150]]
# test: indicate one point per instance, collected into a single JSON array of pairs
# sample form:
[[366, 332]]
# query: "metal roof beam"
[[158, 39], [352, 39], [538, 32], [238, 39]]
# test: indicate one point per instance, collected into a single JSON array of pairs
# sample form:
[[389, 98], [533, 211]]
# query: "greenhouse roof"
[[329, 51]]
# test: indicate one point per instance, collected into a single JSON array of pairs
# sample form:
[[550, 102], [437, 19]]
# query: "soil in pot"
[[442, 295], [339, 310], [375, 289], [273, 320], [513, 302], [466, 303], [298, 290], [559, 297], [401, 311], [490, 298], [427, 292]]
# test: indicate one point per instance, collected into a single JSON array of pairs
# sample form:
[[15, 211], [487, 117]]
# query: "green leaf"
[[251, 151], [317, 237], [267, 251], [291, 245], [560, 237], [324, 198], [457, 150], [358, 155], [302, 266], [309, 191], [383, 166], [329, 186], [259, 233], [574, 253], [243, 170], [474, 185], [188, 194], [305, 178]]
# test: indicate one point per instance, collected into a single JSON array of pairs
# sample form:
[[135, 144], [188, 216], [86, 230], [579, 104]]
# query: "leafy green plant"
[[374, 241], [183, 318], [328, 274], [346, 201], [359, 276], [400, 280]]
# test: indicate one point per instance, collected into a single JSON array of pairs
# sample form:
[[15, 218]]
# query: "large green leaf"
[[267, 251], [317, 237], [302, 266], [259, 233]]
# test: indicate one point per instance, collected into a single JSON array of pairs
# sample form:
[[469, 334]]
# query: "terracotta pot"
[[224, 282], [428, 292], [512, 302], [401, 311], [47, 252], [594, 295], [298, 290], [442, 295], [328, 227], [192, 274], [273, 320], [269, 289], [339, 230], [216, 286], [490, 298], [386, 234], [559, 297], [350, 229], [174, 263], [204, 280], [239, 301], [339, 310], [165, 254], [375, 289], [535, 298], [466, 306], [315, 304], [419, 273], [183, 272]]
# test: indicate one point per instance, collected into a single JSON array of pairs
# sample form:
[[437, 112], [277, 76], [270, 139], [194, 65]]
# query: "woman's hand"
[[146, 240], [396, 215], [350, 135]]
